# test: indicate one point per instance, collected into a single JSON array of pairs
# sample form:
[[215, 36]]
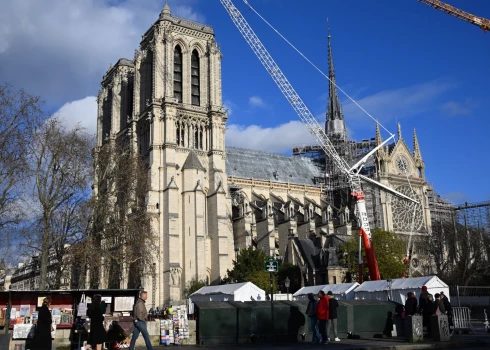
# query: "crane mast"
[[313, 127], [481, 22]]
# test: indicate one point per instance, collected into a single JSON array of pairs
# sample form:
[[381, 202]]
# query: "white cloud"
[[81, 112], [453, 108], [256, 101], [60, 49], [281, 138], [397, 103]]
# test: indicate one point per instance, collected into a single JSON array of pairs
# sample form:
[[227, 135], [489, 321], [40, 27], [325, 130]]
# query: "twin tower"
[[166, 104]]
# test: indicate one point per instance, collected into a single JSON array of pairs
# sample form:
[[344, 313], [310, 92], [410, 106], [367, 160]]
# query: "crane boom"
[[284, 85], [318, 133], [481, 22], [312, 125]]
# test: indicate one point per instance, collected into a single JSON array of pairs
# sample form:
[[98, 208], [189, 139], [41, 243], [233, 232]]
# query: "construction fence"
[[474, 299]]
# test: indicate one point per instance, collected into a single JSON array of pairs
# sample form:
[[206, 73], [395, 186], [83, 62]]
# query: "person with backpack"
[[311, 313]]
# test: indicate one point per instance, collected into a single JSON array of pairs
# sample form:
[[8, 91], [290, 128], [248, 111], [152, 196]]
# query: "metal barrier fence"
[[462, 318], [477, 299]]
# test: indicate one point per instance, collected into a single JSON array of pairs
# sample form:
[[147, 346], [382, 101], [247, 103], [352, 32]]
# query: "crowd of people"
[[427, 306], [323, 315]]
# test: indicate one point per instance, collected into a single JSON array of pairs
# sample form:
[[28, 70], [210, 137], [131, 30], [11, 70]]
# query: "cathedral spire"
[[335, 123], [379, 140], [399, 132], [166, 9], [416, 147]]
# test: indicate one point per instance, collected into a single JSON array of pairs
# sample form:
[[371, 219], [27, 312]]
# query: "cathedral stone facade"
[[209, 201]]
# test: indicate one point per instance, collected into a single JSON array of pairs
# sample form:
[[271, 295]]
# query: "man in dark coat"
[[423, 299], [427, 312], [410, 304], [448, 307], [333, 305], [311, 312]]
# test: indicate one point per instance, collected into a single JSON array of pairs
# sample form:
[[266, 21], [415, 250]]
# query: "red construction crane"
[[481, 22]]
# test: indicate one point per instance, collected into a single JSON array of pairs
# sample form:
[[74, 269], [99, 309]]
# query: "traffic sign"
[[270, 265]]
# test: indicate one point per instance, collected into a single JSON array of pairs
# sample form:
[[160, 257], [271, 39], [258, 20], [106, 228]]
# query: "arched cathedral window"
[[178, 73], [200, 137], [196, 138], [195, 78]]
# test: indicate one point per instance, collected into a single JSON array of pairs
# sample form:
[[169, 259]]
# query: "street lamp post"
[[287, 283]]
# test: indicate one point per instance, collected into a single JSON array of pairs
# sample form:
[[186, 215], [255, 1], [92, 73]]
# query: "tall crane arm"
[[317, 132], [481, 22], [285, 86]]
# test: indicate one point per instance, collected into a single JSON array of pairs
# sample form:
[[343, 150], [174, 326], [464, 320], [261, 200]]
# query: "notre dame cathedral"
[[210, 200]]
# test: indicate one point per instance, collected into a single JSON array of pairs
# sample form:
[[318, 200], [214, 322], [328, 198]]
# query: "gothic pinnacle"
[[399, 132], [416, 147], [166, 9], [379, 140]]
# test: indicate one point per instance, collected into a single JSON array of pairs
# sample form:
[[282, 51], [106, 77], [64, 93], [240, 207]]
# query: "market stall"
[[398, 288], [69, 313], [342, 291], [246, 291]]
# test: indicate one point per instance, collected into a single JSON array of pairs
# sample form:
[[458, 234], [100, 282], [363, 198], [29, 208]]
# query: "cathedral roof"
[[260, 165], [192, 162], [309, 251]]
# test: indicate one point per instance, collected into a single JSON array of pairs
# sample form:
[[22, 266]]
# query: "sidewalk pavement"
[[457, 341]]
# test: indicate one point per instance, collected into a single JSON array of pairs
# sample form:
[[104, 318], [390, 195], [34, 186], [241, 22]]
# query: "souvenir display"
[[175, 329]]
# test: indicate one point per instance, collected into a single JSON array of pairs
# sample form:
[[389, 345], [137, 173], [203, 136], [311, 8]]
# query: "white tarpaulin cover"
[[246, 291], [343, 291], [380, 290]]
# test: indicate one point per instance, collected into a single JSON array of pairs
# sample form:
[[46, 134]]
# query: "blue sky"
[[401, 60]]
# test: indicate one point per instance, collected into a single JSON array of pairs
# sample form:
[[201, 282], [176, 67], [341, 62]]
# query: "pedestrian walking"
[[333, 305], [97, 335], [140, 316], [322, 315], [311, 313], [42, 336]]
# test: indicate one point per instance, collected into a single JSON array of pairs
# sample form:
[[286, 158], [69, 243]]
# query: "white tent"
[[343, 291], [380, 290], [246, 291]]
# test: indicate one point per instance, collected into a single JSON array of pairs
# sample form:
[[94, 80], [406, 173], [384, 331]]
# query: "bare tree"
[[458, 250], [20, 114], [61, 163], [122, 240]]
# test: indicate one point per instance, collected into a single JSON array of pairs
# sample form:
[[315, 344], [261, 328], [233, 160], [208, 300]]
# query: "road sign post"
[[271, 266]]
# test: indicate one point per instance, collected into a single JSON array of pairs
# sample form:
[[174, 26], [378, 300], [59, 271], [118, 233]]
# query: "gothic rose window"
[[195, 78], [403, 210], [178, 73]]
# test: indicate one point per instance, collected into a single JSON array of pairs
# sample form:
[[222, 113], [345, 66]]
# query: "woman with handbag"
[[42, 336], [98, 334]]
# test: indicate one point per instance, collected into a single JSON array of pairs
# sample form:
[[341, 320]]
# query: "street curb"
[[442, 345]]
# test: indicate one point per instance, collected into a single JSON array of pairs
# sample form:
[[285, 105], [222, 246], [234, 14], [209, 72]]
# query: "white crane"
[[319, 134]]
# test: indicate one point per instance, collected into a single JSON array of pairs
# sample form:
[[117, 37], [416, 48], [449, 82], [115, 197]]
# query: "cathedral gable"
[[402, 161]]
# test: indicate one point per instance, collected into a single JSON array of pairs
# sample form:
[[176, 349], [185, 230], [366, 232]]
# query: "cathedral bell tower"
[[172, 114]]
